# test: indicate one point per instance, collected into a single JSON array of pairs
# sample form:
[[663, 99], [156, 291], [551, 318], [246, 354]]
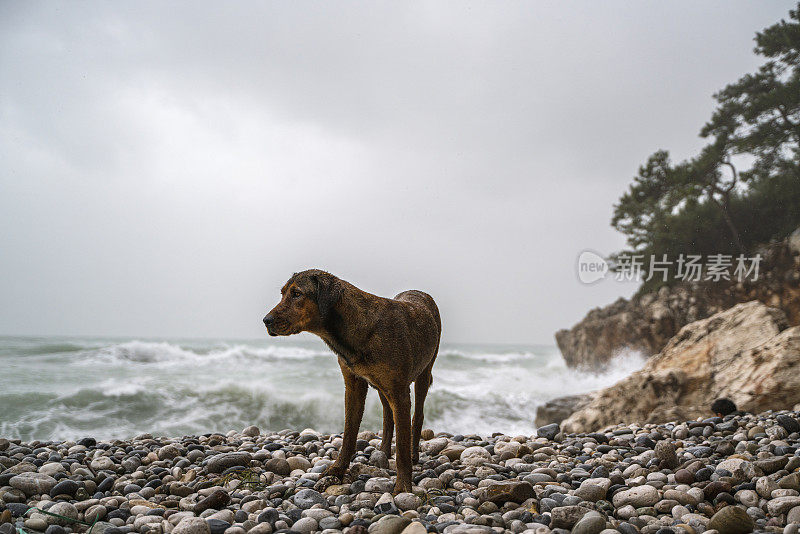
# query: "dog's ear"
[[329, 293]]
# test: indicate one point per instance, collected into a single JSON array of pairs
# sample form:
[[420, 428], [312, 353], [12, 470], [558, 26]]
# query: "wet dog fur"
[[382, 342]]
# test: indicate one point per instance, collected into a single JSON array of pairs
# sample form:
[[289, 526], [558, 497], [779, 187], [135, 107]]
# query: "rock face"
[[746, 353], [646, 323], [557, 410]]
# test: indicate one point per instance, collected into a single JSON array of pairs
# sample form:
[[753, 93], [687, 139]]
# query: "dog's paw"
[[325, 482], [401, 487], [336, 471]]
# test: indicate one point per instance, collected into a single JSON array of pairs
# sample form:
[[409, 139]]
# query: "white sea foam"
[[147, 352], [118, 389]]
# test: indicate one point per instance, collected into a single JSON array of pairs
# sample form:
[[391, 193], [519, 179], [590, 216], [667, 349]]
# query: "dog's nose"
[[268, 320]]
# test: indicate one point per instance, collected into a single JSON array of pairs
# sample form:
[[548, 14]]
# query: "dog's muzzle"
[[269, 322]]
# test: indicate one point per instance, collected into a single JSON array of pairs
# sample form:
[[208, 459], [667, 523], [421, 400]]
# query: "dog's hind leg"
[[421, 386], [388, 426]]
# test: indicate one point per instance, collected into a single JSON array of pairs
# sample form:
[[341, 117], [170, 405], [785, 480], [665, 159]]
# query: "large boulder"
[[558, 409], [745, 353]]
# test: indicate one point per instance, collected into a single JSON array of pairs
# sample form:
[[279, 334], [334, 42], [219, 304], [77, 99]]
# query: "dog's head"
[[307, 303]]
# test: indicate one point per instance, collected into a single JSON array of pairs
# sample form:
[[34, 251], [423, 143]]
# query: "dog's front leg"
[[400, 399], [355, 392]]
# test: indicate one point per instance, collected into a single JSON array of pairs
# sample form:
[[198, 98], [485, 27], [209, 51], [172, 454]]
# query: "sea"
[[65, 388]]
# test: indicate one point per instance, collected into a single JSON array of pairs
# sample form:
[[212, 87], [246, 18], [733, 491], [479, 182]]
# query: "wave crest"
[[148, 352]]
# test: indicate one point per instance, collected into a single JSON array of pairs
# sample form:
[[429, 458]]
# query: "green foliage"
[[706, 205], [760, 113]]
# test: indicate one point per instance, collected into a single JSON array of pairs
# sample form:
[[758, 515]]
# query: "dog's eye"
[[296, 294]]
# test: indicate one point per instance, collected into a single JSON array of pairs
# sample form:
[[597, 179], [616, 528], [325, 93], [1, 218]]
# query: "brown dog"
[[386, 343]]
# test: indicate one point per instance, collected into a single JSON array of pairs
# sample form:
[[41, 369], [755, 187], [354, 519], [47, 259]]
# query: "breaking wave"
[[67, 388]]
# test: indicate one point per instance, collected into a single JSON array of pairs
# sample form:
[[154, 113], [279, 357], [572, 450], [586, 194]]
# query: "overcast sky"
[[166, 166]]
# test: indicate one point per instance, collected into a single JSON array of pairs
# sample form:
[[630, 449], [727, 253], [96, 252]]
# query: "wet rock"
[[731, 520], [666, 455], [251, 431], [790, 424], [68, 512], [279, 466], [65, 487], [566, 516], [386, 505], [217, 500], [517, 491], [637, 497], [378, 458], [103, 463], [298, 462], [217, 526], [390, 524], [591, 523], [192, 525], [556, 410], [548, 431], [781, 505], [168, 452], [55, 529], [306, 498], [221, 462], [32, 483], [434, 446], [407, 501], [475, 456]]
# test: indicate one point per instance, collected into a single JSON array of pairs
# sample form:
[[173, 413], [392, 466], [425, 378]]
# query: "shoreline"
[[696, 476]]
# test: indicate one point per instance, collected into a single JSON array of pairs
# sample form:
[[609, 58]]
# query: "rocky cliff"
[[747, 353], [558, 409], [647, 322]]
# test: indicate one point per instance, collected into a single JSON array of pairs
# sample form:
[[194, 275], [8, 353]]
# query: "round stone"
[[305, 525], [217, 526], [591, 523], [221, 462], [65, 487], [407, 501], [665, 453], [217, 500], [102, 463], [684, 476], [251, 431], [298, 462], [378, 459], [638, 497], [306, 498], [55, 529], [32, 483], [379, 485], [68, 512], [731, 520], [330, 522], [168, 452], [279, 466], [475, 456], [192, 525], [548, 432], [390, 524]]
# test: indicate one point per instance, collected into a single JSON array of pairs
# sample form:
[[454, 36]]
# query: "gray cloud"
[[167, 166]]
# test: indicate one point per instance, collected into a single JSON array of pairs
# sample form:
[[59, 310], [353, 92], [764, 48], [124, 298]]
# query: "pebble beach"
[[729, 475]]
